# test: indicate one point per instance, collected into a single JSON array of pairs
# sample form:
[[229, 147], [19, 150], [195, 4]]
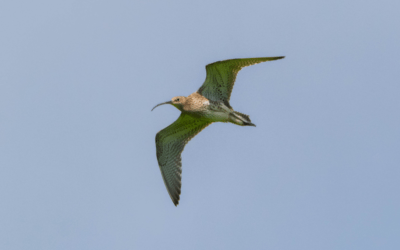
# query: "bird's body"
[[198, 106], [207, 105]]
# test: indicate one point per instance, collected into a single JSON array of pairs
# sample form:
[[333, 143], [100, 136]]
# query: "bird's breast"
[[196, 103]]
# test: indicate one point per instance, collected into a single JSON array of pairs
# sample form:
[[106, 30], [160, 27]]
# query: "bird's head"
[[177, 102]]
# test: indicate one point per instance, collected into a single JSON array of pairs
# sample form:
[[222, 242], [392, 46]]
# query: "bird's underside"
[[209, 104]]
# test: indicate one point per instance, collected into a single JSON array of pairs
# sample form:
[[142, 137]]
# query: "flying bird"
[[210, 103]]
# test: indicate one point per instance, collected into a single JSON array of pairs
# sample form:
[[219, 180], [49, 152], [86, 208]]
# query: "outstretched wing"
[[170, 143], [221, 76]]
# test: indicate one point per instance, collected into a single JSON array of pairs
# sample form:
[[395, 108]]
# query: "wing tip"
[[174, 194], [275, 58], [175, 200], [267, 59]]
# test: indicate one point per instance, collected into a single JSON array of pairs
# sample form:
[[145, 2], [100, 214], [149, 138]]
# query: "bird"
[[210, 103]]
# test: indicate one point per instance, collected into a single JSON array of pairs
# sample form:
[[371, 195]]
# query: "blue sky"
[[78, 168]]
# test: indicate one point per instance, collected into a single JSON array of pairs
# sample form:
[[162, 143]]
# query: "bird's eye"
[[177, 100]]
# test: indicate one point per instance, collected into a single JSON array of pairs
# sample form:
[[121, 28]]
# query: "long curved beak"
[[170, 102]]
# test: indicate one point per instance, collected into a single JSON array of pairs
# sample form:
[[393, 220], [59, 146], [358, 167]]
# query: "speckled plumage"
[[209, 104]]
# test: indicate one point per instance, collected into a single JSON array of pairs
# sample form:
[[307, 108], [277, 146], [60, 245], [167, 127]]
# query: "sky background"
[[78, 166]]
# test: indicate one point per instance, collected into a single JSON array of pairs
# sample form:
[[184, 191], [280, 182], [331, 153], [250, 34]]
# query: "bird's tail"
[[240, 119]]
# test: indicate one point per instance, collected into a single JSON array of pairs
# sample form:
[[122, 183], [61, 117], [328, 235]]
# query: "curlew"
[[210, 103]]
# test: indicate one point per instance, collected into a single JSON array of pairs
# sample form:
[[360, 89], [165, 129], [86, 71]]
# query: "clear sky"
[[78, 166]]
